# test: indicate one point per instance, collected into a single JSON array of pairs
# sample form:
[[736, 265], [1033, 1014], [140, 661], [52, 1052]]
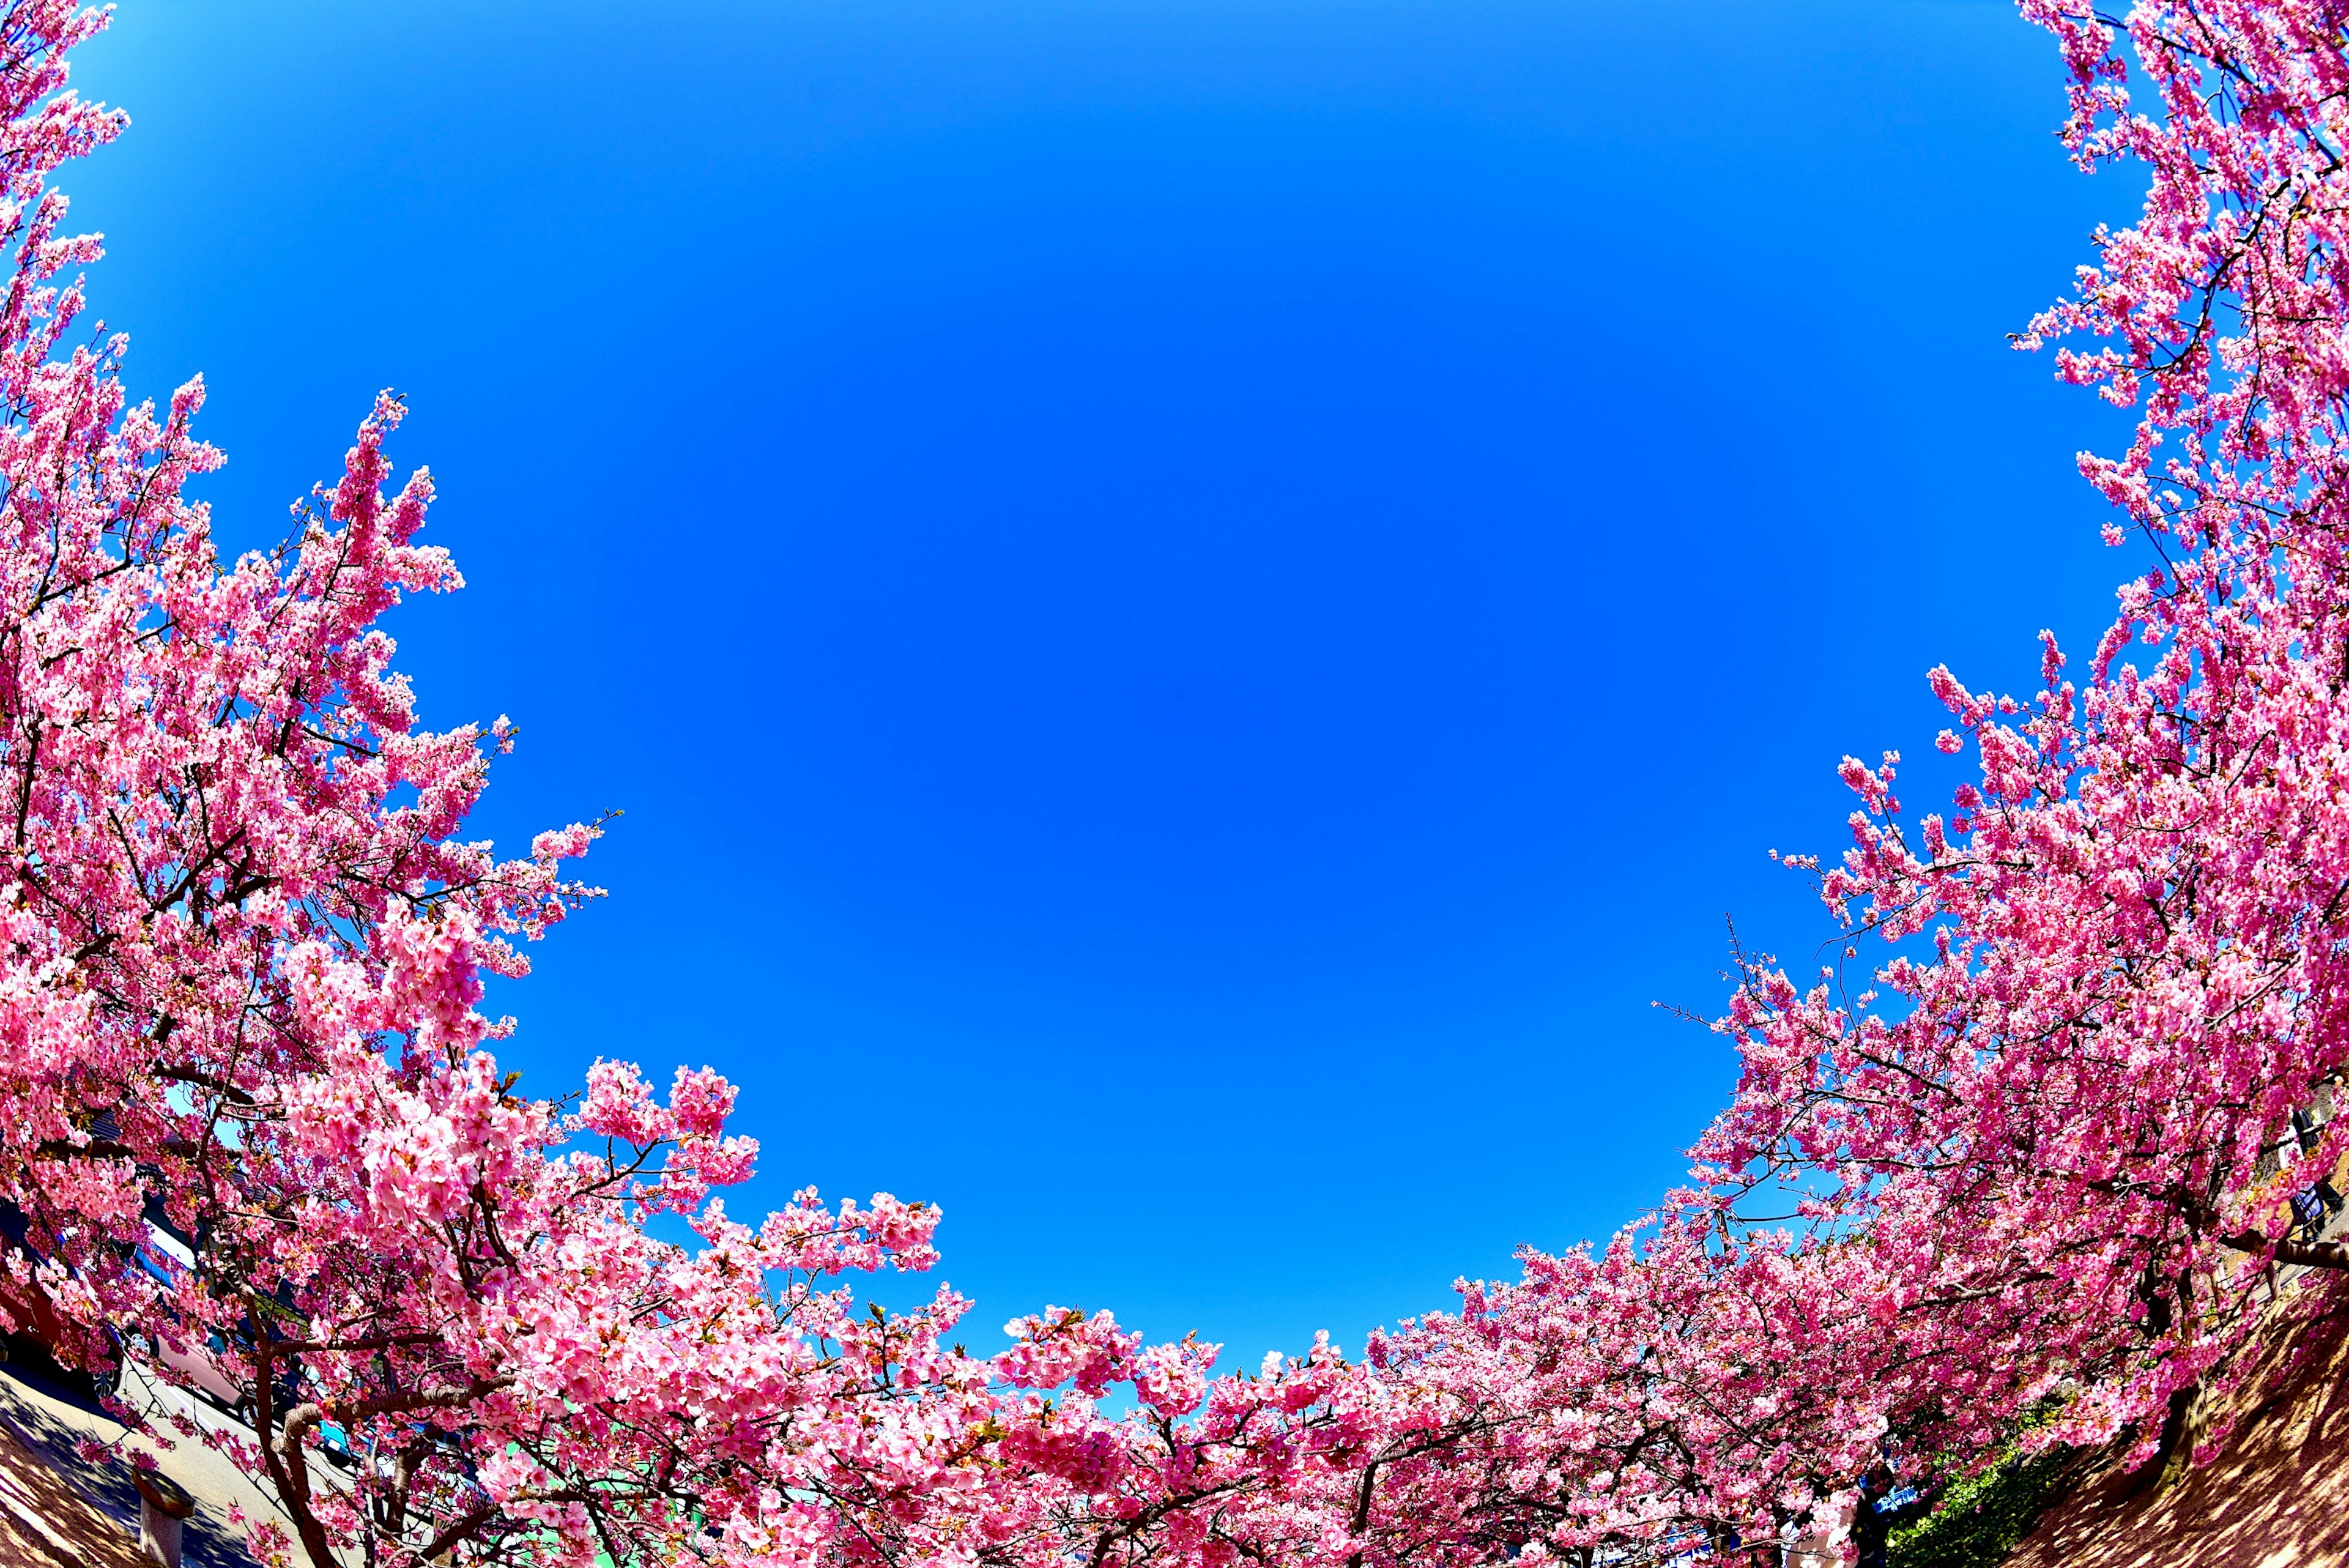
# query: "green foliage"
[[1982, 1518]]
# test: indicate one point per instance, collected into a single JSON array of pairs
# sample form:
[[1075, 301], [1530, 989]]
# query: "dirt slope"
[[2277, 1498]]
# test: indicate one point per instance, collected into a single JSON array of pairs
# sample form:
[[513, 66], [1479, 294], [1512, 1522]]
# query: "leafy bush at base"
[[1978, 1520]]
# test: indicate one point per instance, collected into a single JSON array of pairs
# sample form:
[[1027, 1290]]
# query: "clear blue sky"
[[1193, 603]]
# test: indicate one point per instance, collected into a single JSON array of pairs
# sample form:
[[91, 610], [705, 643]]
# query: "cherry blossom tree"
[[2045, 1128], [239, 998], [243, 947], [2029, 1162], [2132, 965]]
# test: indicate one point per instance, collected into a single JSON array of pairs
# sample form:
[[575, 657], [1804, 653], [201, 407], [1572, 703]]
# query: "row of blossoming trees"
[[2020, 1168]]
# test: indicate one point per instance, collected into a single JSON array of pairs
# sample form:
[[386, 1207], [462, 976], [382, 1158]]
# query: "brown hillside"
[[2278, 1497]]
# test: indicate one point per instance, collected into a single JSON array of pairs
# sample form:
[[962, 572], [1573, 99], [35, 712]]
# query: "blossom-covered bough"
[[2125, 966], [2040, 1140], [241, 946], [2030, 1163]]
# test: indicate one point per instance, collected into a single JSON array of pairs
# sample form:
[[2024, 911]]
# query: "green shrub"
[[1978, 1520]]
